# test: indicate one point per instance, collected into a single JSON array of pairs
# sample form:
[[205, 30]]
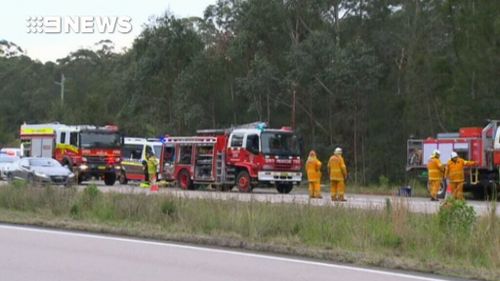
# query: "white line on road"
[[204, 249]]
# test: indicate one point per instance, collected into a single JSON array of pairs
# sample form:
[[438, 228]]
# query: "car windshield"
[[280, 143], [100, 140], [44, 163], [7, 159]]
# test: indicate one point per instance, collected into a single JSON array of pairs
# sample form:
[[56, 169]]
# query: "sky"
[[49, 47]]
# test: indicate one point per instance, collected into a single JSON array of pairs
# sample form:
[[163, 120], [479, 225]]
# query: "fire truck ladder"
[[224, 174], [220, 168], [474, 176]]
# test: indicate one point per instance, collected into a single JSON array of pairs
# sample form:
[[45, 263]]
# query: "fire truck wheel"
[[284, 187], [109, 178], [442, 190], [184, 180], [243, 182]]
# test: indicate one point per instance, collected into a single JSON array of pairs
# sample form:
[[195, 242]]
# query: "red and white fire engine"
[[246, 156], [481, 145], [89, 151]]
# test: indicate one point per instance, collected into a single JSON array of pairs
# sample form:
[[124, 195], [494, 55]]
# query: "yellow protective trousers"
[[434, 186], [457, 190], [337, 190], [152, 178], [314, 189]]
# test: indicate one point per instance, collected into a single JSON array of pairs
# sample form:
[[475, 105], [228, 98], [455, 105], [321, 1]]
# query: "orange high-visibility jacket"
[[313, 168], [455, 170], [435, 169], [337, 168]]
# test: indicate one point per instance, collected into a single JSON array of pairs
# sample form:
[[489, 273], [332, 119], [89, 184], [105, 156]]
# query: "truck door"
[[42, 146], [167, 160], [132, 161], [235, 146], [496, 148]]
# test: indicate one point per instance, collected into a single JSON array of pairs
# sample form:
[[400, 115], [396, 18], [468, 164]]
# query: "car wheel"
[[10, 177], [30, 179]]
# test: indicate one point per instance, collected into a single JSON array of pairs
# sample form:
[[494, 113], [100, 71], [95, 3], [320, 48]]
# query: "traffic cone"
[[154, 188], [448, 190]]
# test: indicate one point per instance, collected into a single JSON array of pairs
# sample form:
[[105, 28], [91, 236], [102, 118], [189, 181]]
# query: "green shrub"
[[168, 207], [90, 195], [455, 216], [383, 181], [75, 210]]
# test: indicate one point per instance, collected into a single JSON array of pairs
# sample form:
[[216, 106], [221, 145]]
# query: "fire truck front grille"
[[283, 166], [96, 160]]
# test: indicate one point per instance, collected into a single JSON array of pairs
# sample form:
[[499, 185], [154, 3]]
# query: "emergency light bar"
[[189, 140]]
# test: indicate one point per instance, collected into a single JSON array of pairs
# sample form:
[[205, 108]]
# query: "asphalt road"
[[299, 196], [41, 254]]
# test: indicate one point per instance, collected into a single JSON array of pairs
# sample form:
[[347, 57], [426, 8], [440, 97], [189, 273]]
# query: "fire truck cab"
[[246, 156], [88, 151], [478, 144]]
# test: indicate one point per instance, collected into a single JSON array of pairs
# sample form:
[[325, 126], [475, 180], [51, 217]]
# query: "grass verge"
[[392, 238]]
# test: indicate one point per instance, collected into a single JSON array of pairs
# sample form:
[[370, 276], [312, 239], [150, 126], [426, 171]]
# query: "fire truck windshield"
[[279, 143], [99, 140]]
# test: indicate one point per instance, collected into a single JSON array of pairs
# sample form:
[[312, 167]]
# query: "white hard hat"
[[453, 154], [338, 150], [436, 152]]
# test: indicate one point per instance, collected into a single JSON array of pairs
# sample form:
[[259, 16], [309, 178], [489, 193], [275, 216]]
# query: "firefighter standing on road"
[[455, 174], [152, 163], [338, 175], [435, 174], [313, 169]]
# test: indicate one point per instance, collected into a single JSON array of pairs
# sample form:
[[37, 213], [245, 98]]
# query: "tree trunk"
[[268, 108], [294, 100], [337, 24], [233, 102], [355, 141]]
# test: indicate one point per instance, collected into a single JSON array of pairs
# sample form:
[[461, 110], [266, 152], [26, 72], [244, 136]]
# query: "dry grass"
[[392, 237]]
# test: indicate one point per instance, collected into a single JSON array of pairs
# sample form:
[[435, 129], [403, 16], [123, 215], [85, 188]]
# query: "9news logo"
[[78, 24]]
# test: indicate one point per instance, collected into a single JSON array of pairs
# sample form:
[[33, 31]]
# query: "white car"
[[6, 164]]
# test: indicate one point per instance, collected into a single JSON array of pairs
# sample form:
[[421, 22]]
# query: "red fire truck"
[[89, 151], [481, 145], [246, 156]]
